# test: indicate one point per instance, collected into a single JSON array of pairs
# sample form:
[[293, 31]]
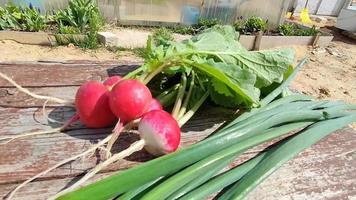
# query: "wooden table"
[[325, 171]]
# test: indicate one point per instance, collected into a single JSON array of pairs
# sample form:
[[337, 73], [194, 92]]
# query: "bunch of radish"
[[126, 102]]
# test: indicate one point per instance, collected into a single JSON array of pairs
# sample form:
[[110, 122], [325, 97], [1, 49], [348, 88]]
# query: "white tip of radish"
[[160, 131]]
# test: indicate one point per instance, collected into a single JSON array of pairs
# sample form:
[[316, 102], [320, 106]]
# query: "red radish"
[[160, 131], [129, 99], [92, 104], [154, 105], [111, 81]]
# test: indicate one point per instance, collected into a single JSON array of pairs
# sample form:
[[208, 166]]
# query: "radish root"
[[8, 139], [36, 96], [45, 115], [133, 148], [11, 195], [116, 133]]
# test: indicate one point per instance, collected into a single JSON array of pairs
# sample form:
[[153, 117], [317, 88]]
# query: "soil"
[[329, 74], [140, 35], [12, 51]]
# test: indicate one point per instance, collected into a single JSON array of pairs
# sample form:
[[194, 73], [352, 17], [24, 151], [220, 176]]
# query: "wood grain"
[[58, 74]]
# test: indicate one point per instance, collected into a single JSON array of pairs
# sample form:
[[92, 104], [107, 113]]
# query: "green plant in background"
[[95, 23], [203, 23], [239, 26], [10, 18], [288, 29], [81, 16], [140, 52], [137, 51], [162, 36], [68, 30], [33, 20], [208, 23], [309, 31], [255, 24], [77, 14], [21, 19], [184, 30]]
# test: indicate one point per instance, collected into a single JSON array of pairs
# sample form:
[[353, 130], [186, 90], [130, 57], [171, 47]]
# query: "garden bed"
[[36, 38], [248, 41], [40, 38], [271, 41]]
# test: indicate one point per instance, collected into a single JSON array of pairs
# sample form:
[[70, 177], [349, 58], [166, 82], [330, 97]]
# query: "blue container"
[[190, 15], [38, 4]]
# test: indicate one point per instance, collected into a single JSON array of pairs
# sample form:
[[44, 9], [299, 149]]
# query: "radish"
[[129, 99], [160, 134], [93, 110], [160, 131], [154, 105], [92, 103], [111, 81]]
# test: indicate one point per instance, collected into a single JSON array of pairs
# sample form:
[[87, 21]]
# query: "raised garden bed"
[[271, 41], [40, 38], [248, 41]]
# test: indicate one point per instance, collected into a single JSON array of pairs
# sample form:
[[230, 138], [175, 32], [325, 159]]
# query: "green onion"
[[200, 180], [225, 179], [289, 149], [178, 180], [136, 192]]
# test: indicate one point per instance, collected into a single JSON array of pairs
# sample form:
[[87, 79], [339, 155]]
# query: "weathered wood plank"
[[324, 171], [57, 74], [26, 157]]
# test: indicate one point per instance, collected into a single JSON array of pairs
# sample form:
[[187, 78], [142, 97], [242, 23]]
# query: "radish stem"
[[168, 91], [155, 72], [116, 132], [180, 96], [36, 96], [133, 73], [11, 195], [191, 112], [187, 98], [168, 99], [137, 146]]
